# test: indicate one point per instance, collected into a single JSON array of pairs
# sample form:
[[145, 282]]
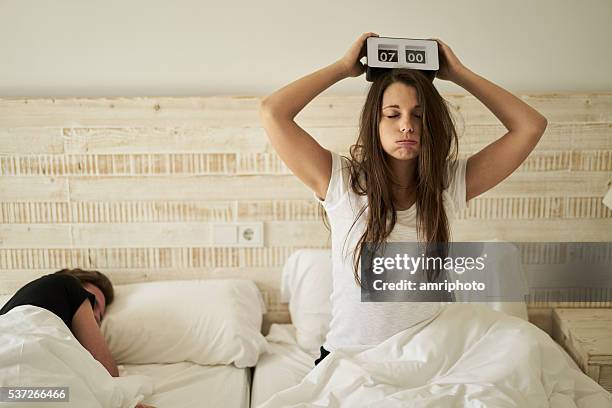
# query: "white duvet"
[[37, 349], [467, 356]]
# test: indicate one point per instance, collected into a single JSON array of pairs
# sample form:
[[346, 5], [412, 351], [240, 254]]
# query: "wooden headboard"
[[130, 186]]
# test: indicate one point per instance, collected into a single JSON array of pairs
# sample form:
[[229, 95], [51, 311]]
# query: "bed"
[[177, 344], [468, 355], [287, 365]]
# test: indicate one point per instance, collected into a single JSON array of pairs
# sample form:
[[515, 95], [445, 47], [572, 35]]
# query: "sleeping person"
[[78, 297]]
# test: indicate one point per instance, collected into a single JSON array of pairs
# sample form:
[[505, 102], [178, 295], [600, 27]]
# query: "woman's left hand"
[[450, 66]]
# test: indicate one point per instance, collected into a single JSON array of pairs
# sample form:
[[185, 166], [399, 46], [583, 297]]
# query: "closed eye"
[[395, 116]]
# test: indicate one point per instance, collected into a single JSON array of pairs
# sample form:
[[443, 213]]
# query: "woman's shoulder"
[[57, 281], [339, 182]]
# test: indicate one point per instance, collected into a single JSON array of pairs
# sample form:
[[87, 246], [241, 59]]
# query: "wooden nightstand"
[[586, 334]]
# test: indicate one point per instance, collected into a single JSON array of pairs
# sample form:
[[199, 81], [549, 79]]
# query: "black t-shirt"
[[58, 293]]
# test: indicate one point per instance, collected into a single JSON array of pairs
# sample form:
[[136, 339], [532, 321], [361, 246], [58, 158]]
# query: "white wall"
[[186, 47]]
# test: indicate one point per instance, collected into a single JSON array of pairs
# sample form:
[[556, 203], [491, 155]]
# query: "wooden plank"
[[139, 140], [277, 233], [31, 140], [474, 136], [130, 140], [481, 208], [576, 292], [34, 212], [120, 164], [267, 278], [242, 111], [587, 336], [288, 187], [593, 372], [187, 188], [116, 212], [21, 189], [296, 233], [35, 236], [171, 235], [605, 377], [558, 136], [178, 235], [153, 258], [574, 305], [241, 164], [278, 210], [127, 112], [558, 108], [588, 230], [552, 183], [591, 328]]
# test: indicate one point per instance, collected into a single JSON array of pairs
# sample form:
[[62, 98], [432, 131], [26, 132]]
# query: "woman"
[[403, 181], [79, 298]]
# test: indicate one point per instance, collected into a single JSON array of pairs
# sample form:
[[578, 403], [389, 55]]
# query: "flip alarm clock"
[[384, 53]]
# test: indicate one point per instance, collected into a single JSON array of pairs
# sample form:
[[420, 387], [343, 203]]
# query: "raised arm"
[[525, 126], [302, 154], [88, 333]]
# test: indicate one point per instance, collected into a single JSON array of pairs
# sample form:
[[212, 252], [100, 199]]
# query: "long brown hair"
[[370, 172], [95, 278]]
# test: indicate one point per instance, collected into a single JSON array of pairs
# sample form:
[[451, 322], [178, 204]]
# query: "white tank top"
[[370, 323]]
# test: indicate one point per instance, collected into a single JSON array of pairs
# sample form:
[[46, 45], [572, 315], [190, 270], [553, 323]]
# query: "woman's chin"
[[404, 155]]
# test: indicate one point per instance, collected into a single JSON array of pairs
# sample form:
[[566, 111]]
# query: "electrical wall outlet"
[[248, 234]]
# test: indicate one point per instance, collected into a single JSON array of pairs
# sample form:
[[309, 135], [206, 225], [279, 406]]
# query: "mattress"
[[188, 385]]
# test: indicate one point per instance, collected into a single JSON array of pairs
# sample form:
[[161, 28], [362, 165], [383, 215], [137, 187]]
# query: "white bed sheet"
[[286, 364], [282, 367], [188, 385]]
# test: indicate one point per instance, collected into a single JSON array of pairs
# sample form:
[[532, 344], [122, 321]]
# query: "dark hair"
[[95, 278], [370, 173]]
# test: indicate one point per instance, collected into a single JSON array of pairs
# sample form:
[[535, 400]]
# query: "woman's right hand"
[[350, 62]]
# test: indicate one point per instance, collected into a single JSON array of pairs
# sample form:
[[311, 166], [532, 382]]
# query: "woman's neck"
[[404, 182], [403, 173]]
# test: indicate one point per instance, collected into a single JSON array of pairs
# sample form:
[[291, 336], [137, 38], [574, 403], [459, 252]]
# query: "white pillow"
[[307, 286], [504, 274], [202, 321]]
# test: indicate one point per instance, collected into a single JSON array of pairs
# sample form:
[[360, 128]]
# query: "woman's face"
[[400, 122]]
